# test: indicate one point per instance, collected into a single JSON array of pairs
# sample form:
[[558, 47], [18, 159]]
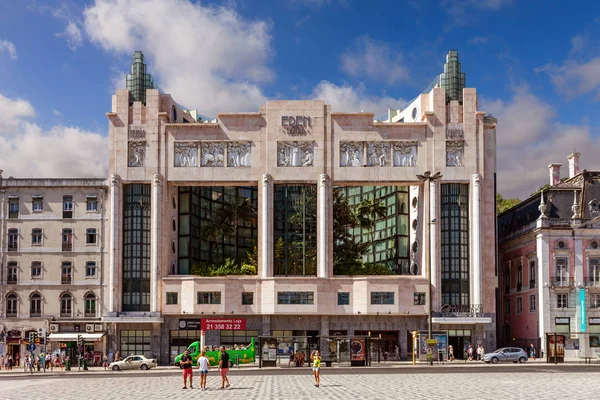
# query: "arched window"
[[35, 305], [90, 305], [66, 305], [12, 302]]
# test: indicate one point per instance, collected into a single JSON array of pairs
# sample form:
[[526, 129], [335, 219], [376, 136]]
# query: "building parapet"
[[52, 182]]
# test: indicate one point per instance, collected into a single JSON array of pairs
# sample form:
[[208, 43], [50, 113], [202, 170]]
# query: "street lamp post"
[[428, 177]]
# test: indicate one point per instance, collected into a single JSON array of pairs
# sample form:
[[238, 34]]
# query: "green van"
[[246, 356]]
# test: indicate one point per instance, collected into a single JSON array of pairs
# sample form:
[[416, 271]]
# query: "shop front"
[[65, 344]]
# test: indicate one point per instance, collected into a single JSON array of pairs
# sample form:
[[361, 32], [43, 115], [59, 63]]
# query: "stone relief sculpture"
[[351, 154], [186, 154], [238, 154], [378, 154], [136, 154], [295, 154], [455, 131], [454, 154], [405, 154], [212, 155]]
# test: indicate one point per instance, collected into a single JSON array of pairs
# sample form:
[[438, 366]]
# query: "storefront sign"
[[296, 126], [227, 324], [594, 321], [582, 310], [136, 134], [357, 350], [562, 320], [189, 324]]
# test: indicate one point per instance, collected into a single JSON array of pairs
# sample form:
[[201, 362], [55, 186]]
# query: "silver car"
[[133, 362], [514, 354]]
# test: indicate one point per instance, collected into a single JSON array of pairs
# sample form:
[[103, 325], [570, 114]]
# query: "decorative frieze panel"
[[186, 154], [295, 154], [351, 154], [455, 153], [136, 154], [455, 131], [378, 154], [238, 154], [405, 154], [213, 154]]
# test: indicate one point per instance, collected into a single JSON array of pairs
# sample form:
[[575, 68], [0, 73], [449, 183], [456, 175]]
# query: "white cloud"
[[28, 150], [209, 58], [72, 34], [375, 60], [8, 47], [529, 138], [573, 77], [463, 12], [353, 99], [479, 40]]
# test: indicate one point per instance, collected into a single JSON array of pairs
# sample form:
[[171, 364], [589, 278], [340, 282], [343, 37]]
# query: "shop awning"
[[72, 337]]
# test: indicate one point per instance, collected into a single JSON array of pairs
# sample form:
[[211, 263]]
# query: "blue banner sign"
[[582, 309]]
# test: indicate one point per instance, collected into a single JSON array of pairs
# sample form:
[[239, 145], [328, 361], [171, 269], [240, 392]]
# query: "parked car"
[[514, 354], [133, 362]]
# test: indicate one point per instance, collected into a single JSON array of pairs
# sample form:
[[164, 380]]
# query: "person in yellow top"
[[316, 359]]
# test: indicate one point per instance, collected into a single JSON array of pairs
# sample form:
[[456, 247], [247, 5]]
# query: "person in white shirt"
[[203, 366]]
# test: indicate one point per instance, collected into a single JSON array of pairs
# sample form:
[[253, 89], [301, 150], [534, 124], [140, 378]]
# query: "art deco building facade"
[[285, 179]]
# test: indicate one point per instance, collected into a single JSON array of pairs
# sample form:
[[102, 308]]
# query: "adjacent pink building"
[[549, 264]]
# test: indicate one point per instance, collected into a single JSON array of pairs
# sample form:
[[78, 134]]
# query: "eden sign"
[[296, 125]]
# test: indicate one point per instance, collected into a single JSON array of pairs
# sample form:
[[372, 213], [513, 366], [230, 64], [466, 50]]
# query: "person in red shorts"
[[186, 363], [224, 367]]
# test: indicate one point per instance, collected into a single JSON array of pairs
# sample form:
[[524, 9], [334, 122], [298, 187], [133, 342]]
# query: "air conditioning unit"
[[98, 328], [89, 328], [54, 328]]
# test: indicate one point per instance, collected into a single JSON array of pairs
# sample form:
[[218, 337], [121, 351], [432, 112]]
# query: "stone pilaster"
[[266, 238], [115, 237], [476, 238], [155, 236], [433, 240], [323, 224]]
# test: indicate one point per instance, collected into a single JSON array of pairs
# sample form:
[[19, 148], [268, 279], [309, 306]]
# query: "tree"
[[503, 204], [236, 211], [347, 254], [369, 211], [212, 229]]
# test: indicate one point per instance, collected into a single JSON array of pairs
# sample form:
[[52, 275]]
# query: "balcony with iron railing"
[[66, 279], [562, 282], [13, 246], [67, 246], [532, 284], [11, 280], [11, 313], [460, 311], [592, 281], [519, 286], [66, 313]]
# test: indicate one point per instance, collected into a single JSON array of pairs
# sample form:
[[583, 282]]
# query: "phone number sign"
[[225, 324]]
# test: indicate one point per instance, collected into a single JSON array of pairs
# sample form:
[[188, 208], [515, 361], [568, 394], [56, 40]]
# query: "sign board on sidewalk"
[[226, 324]]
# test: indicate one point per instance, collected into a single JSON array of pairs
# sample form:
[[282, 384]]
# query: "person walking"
[[186, 363], [224, 367], [203, 366], [105, 361], [450, 353], [470, 352], [532, 352], [316, 359], [397, 351]]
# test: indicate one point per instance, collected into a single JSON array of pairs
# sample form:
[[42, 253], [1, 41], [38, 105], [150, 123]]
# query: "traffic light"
[[32, 337], [79, 341]]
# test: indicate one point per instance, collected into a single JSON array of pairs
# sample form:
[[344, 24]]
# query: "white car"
[[133, 362]]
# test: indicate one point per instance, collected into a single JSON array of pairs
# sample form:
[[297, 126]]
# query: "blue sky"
[[535, 64]]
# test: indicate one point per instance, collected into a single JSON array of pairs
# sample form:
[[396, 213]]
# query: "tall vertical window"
[[295, 242], [12, 302], [66, 273], [506, 306], [91, 203], [90, 305], [13, 207], [519, 305], [532, 274], [90, 236], [36, 270], [90, 269], [562, 271], [66, 305], [136, 247], [135, 342], [455, 243], [67, 206], [12, 273], [519, 276], [35, 305], [13, 239], [67, 239], [36, 237], [532, 305], [37, 203], [594, 271]]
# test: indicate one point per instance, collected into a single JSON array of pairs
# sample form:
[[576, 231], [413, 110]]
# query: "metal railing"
[[562, 282], [67, 246], [66, 279], [532, 284], [461, 310], [559, 222]]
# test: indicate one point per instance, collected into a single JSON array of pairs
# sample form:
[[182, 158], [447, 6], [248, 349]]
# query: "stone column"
[[323, 223], [323, 342], [544, 292], [115, 229], [433, 240], [155, 241], [476, 237], [266, 239]]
